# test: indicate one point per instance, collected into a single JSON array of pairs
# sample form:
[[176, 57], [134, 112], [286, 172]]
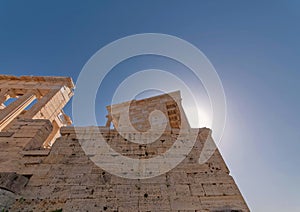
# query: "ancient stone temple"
[[43, 165]]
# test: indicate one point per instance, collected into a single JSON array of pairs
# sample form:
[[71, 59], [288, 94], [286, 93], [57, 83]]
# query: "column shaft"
[[10, 112]]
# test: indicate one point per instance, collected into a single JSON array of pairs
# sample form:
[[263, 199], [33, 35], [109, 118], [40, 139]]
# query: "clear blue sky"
[[254, 46]]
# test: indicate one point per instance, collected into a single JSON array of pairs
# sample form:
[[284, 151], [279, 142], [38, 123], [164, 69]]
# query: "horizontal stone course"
[[64, 177]]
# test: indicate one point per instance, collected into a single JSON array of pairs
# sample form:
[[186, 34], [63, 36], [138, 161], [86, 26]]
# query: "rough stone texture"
[[12, 182], [63, 177], [7, 198], [140, 113]]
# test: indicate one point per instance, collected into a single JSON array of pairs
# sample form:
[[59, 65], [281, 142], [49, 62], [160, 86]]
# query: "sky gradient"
[[254, 46]]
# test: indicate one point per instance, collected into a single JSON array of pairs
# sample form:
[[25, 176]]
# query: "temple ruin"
[[43, 166]]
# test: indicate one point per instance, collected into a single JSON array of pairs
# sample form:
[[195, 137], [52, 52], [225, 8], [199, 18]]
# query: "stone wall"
[[66, 179], [43, 166]]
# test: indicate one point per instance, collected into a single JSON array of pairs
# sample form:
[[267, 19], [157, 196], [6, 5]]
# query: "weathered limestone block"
[[7, 198], [12, 182], [37, 130]]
